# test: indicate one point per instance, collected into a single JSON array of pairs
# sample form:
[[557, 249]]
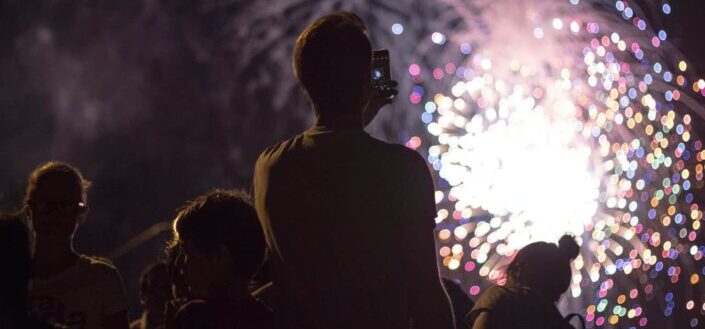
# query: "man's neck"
[[335, 121], [52, 257]]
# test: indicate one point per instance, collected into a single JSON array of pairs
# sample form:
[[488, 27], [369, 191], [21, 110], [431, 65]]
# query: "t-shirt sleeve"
[[420, 201], [418, 213], [112, 291], [260, 190], [427, 299]]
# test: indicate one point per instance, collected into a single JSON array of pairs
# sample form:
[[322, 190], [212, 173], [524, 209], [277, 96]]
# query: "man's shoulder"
[[89, 277], [86, 271], [98, 266], [403, 157], [98, 272], [389, 152], [386, 153], [139, 323], [409, 154], [278, 150]]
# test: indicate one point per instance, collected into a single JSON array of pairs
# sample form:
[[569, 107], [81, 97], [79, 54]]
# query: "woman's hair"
[[223, 218], [544, 266], [52, 168]]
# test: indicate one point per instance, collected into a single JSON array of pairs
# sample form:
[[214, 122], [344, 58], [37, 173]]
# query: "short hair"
[[332, 57], [224, 218], [52, 168], [151, 276], [544, 266]]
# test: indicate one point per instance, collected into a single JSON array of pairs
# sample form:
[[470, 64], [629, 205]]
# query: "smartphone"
[[381, 69]]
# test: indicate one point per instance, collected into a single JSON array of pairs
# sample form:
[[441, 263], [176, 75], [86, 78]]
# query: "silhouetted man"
[[348, 218]]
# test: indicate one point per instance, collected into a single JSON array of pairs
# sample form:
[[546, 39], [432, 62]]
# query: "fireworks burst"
[[540, 118], [568, 117]]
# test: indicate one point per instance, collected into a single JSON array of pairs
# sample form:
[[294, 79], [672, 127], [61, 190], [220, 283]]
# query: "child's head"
[[155, 289], [544, 267], [222, 240], [55, 201]]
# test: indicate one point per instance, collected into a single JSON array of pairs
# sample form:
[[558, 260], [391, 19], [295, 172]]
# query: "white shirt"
[[79, 296]]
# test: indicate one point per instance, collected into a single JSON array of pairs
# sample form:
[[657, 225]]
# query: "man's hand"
[[377, 100]]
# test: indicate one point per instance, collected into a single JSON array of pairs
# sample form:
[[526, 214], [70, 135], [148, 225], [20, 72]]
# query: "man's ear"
[[82, 216], [27, 213]]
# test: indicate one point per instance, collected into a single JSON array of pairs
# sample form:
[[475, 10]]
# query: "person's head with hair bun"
[[544, 267]]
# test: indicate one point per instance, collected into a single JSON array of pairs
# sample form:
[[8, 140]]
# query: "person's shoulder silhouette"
[[536, 278]]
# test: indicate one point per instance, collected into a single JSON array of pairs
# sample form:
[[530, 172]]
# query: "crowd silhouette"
[[339, 233]]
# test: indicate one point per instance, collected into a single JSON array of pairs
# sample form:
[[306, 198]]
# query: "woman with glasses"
[[68, 288]]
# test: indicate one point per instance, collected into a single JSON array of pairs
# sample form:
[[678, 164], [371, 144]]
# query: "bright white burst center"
[[524, 162]]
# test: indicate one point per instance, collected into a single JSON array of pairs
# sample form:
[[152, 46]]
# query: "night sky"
[[159, 101]]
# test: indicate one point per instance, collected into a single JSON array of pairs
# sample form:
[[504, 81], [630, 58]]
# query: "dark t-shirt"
[[516, 309], [340, 210], [224, 314]]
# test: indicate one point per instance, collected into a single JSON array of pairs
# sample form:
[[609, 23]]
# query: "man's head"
[[222, 240], [332, 59], [155, 290], [55, 200]]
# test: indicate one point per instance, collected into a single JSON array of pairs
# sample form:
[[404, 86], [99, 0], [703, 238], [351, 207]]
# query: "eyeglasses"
[[59, 207]]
